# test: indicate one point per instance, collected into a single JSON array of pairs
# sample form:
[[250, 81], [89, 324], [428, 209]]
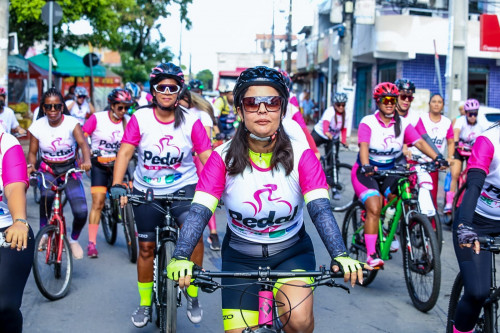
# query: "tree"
[[206, 77]]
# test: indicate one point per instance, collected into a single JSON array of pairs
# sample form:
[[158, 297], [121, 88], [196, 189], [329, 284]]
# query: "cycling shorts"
[[300, 256], [100, 177], [458, 156], [367, 186], [147, 217]]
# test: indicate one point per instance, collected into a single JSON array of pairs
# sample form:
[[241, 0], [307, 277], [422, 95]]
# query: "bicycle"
[[488, 318], [268, 307], [166, 295], [421, 256], [465, 151], [338, 177], [53, 262], [112, 215]]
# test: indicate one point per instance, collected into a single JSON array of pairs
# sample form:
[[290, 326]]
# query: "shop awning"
[[68, 64], [19, 64]]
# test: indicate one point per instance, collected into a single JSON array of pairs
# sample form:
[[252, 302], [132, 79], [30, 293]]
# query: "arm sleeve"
[[482, 155], [297, 116], [364, 133], [449, 133], [200, 139], [324, 221], [475, 182], [343, 135], [90, 125], [14, 167], [132, 133], [310, 140], [325, 126], [411, 135]]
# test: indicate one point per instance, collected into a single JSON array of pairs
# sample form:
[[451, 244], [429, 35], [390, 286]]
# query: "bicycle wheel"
[[341, 193], [52, 278], [36, 194], [353, 237], [108, 221], [167, 292], [130, 235], [457, 200], [438, 229], [421, 262], [485, 322]]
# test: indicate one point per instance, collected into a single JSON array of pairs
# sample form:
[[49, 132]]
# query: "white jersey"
[[204, 117], [56, 144], [79, 111], [8, 119], [294, 131], [438, 133], [335, 121], [105, 134], [412, 118], [143, 99], [468, 133]]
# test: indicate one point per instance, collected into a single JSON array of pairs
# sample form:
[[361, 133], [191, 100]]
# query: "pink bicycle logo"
[[389, 141], [56, 144], [269, 189], [115, 136], [166, 140]]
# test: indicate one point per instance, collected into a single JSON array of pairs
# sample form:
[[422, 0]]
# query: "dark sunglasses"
[[387, 100], [271, 103], [407, 97], [81, 96], [162, 88], [57, 107], [472, 114], [121, 108], [340, 104]]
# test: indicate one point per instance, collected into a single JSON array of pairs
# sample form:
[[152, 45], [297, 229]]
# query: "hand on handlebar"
[[180, 269], [350, 267], [85, 166], [467, 237], [368, 170]]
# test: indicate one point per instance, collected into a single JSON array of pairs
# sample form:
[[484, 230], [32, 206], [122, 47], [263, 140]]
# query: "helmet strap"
[[114, 115]]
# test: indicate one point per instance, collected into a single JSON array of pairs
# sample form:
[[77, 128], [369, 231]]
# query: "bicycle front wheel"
[[108, 222], [52, 277], [167, 292], [129, 229], [485, 322], [341, 192], [354, 237], [421, 262]]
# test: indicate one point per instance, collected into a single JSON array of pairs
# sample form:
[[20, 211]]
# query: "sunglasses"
[[387, 100], [121, 108], [340, 104], [162, 88], [472, 114], [81, 96], [407, 97], [271, 103], [57, 107]]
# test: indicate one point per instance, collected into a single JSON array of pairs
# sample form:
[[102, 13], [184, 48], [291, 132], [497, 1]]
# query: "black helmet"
[[260, 76], [165, 71], [339, 98], [120, 95], [196, 84], [404, 84]]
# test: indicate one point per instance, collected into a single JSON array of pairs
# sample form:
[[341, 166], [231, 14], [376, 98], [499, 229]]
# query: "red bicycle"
[[53, 263], [465, 151]]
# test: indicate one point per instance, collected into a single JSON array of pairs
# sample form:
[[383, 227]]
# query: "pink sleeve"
[[311, 175], [326, 126], [411, 135], [132, 133], [310, 140], [482, 154], [364, 133], [420, 127], [213, 176], [294, 101], [200, 139], [343, 135], [449, 133], [299, 119], [14, 167], [90, 125]]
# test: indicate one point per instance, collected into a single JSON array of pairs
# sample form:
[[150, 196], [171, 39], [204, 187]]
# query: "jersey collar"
[[391, 122]]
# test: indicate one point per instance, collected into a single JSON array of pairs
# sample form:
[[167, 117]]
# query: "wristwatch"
[[23, 221]]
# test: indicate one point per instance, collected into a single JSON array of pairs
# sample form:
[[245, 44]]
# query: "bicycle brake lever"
[[331, 283]]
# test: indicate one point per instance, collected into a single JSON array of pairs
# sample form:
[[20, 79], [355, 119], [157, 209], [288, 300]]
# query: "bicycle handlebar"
[[62, 186], [489, 243], [398, 171]]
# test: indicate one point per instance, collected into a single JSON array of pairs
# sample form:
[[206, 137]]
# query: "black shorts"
[[147, 217], [367, 186], [457, 156], [100, 175]]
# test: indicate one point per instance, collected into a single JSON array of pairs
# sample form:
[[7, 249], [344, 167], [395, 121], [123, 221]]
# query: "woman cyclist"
[[380, 138], [261, 159], [465, 130], [80, 107], [16, 260], [477, 216], [166, 137], [54, 136], [106, 131]]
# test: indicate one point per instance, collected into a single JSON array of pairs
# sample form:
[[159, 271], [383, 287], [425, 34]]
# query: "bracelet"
[[23, 221]]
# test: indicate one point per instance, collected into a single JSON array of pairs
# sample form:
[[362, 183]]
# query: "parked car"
[[491, 115]]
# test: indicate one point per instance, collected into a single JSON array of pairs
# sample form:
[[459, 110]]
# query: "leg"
[[98, 197], [46, 199], [301, 318], [76, 197]]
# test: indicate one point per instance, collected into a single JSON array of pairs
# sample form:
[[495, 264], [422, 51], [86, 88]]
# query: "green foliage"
[[206, 77]]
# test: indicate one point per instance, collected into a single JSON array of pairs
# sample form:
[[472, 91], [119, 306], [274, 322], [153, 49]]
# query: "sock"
[[370, 241], [93, 228], [457, 331], [71, 240], [192, 291], [145, 291]]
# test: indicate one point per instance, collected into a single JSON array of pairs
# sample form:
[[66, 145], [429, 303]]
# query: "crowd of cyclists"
[[252, 137]]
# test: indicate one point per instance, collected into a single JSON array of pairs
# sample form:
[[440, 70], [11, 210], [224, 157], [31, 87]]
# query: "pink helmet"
[[3, 92], [471, 104]]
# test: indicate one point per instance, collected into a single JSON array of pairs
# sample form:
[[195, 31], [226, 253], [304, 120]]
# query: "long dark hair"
[[343, 118], [397, 125], [49, 93]]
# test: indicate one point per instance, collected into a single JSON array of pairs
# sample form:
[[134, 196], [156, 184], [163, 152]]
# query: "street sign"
[[57, 13], [95, 59]]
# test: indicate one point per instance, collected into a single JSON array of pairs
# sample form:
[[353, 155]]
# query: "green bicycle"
[[421, 255]]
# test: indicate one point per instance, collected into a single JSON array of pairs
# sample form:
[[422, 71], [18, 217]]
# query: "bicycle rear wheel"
[[341, 192], [354, 237], [457, 200], [108, 221], [130, 235], [52, 278], [421, 262], [485, 322], [166, 306]]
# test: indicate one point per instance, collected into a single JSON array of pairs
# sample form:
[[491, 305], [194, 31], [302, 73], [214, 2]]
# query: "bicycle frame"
[[58, 220]]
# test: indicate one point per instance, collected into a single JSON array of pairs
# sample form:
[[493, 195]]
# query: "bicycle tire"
[[438, 229], [167, 291], [108, 222], [36, 194], [343, 187], [52, 279], [422, 267], [485, 322], [456, 199], [353, 237], [130, 235]]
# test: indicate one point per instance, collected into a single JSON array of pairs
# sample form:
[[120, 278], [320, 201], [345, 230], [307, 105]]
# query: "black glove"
[[118, 191], [367, 168], [466, 234], [440, 161]]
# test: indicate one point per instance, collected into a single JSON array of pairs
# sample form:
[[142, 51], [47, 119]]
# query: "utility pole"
[[289, 41], [345, 63], [457, 69], [180, 46], [4, 42], [272, 40]]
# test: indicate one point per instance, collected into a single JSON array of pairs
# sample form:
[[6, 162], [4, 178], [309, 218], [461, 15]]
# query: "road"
[[104, 293]]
